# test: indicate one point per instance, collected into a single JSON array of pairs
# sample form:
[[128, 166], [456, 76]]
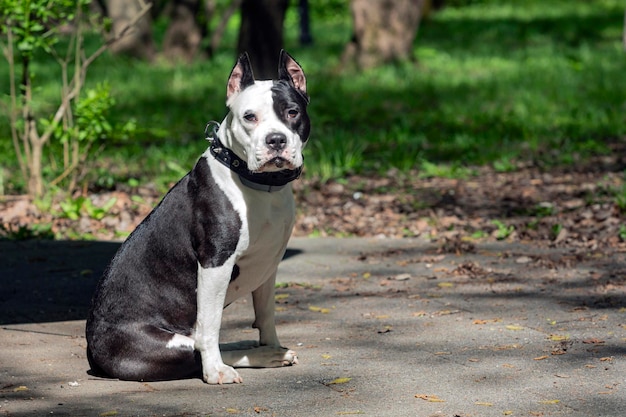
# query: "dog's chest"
[[266, 223]]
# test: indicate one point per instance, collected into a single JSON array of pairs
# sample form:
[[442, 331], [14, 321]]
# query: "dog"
[[217, 235]]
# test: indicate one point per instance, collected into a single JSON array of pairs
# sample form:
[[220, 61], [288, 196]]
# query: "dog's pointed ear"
[[290, 71], [241, 76]]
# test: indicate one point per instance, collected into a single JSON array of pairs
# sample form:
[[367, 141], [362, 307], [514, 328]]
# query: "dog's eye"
[[251, 117], [292, 114]]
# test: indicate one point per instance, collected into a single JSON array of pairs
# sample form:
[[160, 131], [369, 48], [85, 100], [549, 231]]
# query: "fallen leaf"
[[446, 312], [319, 309], [486, 404], [507, 412], [108, 413], [593, 341], [550, 402], [326, 356], [339, 381], [20, 388], [523, 260], [558, 337], [507, 347], [278, 297], [401, 277], [606, 359], [232, 411], [429, 398], [514, 327], [445, 285], [540, 358]]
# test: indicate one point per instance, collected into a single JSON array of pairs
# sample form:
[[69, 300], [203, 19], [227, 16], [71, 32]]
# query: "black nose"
[[276, 141]]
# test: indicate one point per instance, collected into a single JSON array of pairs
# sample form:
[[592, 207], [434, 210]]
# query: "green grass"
[[495, 82]]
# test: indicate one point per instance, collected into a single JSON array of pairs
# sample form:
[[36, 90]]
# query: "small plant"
[[479, 234], [556, 230], [544, 210], [432, 170], [31, 29], [502, 230], [504, 164], [74, 208], [622, 232], [620, 198]]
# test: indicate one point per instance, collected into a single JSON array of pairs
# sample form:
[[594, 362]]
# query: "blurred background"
[[417, 88]]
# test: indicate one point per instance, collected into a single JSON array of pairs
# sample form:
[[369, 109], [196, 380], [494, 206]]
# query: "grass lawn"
[[495, 83]]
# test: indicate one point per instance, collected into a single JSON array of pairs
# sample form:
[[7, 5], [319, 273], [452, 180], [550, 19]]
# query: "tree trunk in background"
[[261, 34], [184, 33], [138, 42], [384, 31]]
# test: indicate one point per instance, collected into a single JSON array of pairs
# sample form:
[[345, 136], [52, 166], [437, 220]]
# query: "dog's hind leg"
[[144, 353]]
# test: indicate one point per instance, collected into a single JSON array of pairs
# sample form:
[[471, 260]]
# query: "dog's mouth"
[[276, 163]]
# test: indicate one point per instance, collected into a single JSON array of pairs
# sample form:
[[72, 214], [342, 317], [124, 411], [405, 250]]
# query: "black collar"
[[262, 181]]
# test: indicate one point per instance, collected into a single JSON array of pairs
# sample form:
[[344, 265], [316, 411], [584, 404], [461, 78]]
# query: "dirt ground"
[[582, 206]]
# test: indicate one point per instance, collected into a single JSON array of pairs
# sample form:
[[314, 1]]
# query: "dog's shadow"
[[46, 281]]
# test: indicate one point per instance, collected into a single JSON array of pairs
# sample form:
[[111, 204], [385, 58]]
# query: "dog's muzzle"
[[262, 181]]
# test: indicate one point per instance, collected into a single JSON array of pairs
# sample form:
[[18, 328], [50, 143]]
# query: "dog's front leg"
[[271, 353], [268, 353], [212, 286], [263, 299]]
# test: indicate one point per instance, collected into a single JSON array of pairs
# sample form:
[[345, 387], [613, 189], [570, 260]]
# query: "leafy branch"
[[31, 25]]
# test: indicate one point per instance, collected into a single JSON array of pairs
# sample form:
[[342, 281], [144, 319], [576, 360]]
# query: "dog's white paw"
[[221, 374], [261, 357], [290, 358]]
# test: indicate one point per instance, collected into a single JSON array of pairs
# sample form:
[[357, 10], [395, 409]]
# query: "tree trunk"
[[184, 33], [261, 34], [384, 31], [138, 42]]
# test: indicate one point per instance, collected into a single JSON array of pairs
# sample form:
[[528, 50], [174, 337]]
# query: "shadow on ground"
[[46, 281]]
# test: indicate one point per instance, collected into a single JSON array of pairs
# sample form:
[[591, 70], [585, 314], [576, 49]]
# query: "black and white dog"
[[217, 235]]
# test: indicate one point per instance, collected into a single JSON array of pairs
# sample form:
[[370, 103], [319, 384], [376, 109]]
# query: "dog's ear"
[[290, 71], [241, 76]]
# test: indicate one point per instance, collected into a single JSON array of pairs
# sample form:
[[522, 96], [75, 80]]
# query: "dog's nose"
[[276, 141]]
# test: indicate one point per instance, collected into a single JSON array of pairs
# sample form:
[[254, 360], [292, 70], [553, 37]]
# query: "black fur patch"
[[287, 98]]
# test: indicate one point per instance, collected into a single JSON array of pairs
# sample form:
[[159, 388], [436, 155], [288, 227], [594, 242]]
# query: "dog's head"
[[268, 123]]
